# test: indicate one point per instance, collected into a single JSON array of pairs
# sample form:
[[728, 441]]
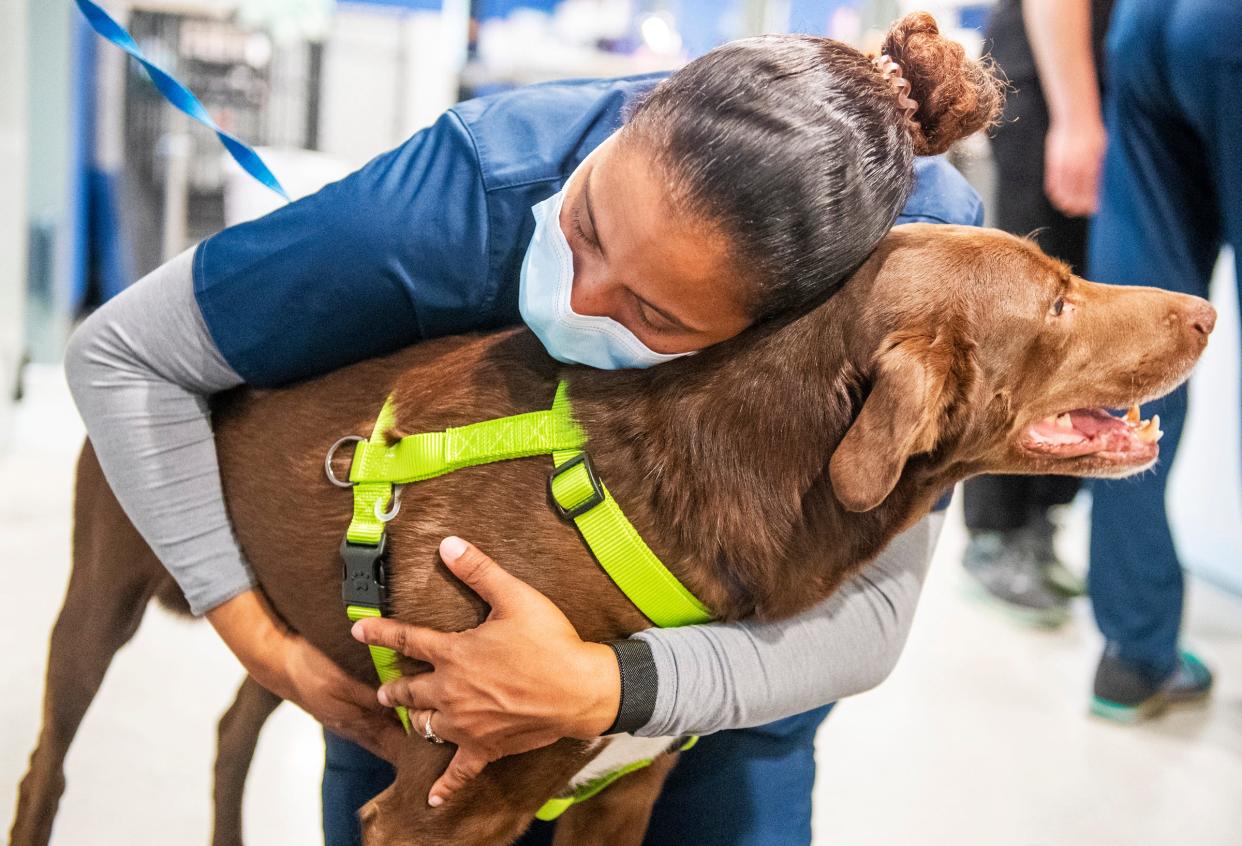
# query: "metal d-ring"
[[387, 516], [327, 462]]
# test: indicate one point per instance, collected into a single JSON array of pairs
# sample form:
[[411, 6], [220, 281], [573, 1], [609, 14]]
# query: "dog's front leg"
[[492, 810]]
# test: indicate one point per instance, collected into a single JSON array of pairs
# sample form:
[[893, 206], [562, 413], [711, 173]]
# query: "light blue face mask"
[[544, 301]]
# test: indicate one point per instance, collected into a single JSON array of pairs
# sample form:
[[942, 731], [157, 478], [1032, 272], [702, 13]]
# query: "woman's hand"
[[1073, 156], [344, 705], [522, 680], [292, 668]]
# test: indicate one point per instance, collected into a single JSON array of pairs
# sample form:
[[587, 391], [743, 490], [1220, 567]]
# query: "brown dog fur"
[[763, 472]]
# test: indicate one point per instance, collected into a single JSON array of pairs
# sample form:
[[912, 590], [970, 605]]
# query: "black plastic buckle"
[[597, 490], [364, 579]]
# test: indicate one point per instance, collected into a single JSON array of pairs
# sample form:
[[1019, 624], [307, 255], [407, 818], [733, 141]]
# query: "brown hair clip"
[[891, 71]]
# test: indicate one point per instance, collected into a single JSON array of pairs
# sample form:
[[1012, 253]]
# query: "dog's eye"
[[1058, 306]]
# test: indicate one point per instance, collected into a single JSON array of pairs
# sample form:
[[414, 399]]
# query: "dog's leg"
[[618, 815], [237, 735], [492, 810], [114, 576]]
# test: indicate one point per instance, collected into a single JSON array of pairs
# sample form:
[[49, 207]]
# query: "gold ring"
[[428, 734]]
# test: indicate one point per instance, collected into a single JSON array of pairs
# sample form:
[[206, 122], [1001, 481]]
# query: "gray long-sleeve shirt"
[[141, 369]]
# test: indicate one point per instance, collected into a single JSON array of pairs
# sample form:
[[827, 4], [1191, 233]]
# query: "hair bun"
[[956, 96]]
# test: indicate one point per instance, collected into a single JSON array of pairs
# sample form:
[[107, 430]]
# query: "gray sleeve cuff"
[[638, 685]]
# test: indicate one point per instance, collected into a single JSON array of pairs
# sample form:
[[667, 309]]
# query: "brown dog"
[[763, 472]]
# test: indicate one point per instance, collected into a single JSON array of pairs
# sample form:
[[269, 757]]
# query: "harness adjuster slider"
[[364, 578], [597, 488]]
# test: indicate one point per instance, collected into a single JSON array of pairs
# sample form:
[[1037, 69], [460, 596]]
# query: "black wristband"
[[638, 685]]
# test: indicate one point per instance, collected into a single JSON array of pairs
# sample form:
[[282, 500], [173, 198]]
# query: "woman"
[[1169, 200], [747, 184]]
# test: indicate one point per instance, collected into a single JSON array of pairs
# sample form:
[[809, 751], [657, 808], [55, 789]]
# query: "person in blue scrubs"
[[624, 221], [1171, 196]]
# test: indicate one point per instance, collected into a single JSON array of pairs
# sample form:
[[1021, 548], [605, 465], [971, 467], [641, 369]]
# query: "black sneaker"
[[1040, 533], [1125, 694], [1005, 569]]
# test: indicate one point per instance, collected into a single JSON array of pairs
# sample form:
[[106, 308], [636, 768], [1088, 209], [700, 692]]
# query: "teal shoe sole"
[[1126, 714]]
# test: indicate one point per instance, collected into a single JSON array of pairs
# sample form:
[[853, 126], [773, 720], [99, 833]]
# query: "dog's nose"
[[1202, 317]]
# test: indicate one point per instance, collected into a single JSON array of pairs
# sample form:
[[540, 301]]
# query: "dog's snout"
[[1201, 316]]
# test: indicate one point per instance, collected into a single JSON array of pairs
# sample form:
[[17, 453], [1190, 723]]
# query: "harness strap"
[[558, 805], [372, 495], [384, 659], [363, 554], [424, 456], [615, 543]]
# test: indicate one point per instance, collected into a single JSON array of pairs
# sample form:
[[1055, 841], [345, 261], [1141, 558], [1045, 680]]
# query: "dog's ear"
[[900, 418]]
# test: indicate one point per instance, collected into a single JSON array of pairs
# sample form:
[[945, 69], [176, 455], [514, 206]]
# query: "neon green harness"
[[577, 494]]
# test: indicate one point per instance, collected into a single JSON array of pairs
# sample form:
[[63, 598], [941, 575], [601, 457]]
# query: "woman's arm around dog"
[[523, 679]]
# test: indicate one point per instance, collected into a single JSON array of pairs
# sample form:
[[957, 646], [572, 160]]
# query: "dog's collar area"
[[574, 489]]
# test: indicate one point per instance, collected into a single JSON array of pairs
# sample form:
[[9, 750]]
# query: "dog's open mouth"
[[1094, 431]]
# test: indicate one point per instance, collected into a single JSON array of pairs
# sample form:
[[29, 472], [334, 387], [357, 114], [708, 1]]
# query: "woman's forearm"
[[727, 676], [252, 631], [1060, 36], [141, 369]]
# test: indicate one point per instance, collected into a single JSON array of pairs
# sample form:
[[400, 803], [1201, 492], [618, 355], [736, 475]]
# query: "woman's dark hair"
[[796, 147]]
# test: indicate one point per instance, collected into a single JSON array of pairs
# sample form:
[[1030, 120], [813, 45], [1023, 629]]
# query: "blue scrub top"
[[428, 239]]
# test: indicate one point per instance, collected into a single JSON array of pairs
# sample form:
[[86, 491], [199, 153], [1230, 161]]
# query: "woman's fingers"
[[412, 641], [410, 691], [494, 584], [357, 693], [464, 767]]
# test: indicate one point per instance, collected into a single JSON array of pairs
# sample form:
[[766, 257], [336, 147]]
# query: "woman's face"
[[664, 278]]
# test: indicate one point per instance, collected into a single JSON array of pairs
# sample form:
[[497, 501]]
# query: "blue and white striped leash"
[[180, 96]]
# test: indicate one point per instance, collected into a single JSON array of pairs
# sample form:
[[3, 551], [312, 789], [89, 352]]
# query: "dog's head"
[[986, 356]]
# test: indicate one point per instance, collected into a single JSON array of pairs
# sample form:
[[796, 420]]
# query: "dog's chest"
[[619, 751]]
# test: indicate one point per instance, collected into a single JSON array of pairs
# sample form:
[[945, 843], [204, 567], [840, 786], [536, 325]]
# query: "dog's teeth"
[[1132, 415], [1149, 432], [1064, 421]]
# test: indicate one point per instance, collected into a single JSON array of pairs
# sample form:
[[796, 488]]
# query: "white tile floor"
[[980, 736]]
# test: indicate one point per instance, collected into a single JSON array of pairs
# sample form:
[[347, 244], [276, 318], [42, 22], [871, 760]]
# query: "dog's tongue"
[[1094, 429], [1058, 429]]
